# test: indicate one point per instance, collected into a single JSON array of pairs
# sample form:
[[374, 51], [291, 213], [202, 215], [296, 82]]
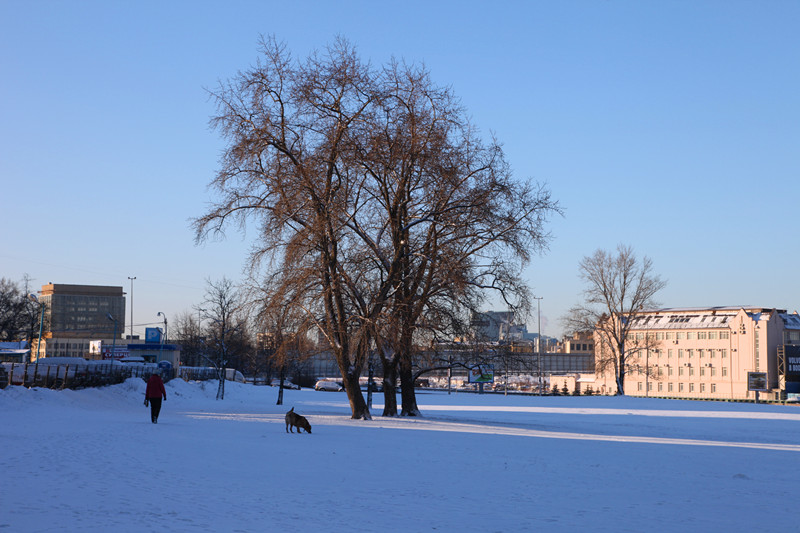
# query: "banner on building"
[[95, 347], [481, 374], [119, 352]]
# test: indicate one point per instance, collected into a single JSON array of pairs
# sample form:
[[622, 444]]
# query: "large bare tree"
[[377, 202], [287, 124], [618, 287], [447, 219]]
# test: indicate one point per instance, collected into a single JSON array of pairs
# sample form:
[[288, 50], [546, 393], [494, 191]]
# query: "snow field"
[[90, 460]]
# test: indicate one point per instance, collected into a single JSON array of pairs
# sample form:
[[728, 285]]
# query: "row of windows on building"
[[682, 387], [709, 371], [689, 353], [680, 335]]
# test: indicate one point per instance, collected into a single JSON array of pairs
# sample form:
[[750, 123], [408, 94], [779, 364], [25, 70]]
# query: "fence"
[[75, 376]]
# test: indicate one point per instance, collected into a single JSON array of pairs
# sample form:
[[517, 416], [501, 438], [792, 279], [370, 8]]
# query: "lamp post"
[[114, 338], [131, 278], [161, 348], [539, 340], [35, 299]]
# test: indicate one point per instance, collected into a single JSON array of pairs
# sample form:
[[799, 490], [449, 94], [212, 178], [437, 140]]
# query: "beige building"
[[76, 315], [705, 353]]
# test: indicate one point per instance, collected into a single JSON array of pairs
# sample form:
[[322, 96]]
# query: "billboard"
[[791, 368], [757, 381], [481, 374], [119, 352]]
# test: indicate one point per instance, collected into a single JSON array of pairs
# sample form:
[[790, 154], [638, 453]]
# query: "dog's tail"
[[291, 410]]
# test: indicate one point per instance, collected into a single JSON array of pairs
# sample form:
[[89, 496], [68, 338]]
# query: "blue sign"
[[152, 335]]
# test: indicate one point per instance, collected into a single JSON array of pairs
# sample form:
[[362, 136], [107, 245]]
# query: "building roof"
[[707, 317]]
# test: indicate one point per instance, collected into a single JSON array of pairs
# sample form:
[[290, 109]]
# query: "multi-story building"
[[76, 315], [704, 352]]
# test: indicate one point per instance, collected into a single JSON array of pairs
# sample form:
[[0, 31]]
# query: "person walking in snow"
[[153, 394]]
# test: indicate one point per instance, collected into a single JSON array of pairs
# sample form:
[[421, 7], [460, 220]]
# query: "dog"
[[293, 420]]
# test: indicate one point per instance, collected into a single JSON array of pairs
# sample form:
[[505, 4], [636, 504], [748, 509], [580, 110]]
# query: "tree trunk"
[[621, 372], [358, 405], [408, 396], [389, 388]]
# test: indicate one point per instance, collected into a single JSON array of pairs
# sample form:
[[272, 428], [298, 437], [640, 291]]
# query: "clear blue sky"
[[671, 126]]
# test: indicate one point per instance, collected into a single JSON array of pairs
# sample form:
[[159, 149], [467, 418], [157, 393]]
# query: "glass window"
[[691, 387], [670, 336], [724, 335], [690, 335], [713, 387], [669, 387], [712, 335], [679, 335], [724, 371], [680, 387]]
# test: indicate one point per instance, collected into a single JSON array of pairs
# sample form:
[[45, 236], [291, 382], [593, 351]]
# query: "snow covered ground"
[[90, 460]]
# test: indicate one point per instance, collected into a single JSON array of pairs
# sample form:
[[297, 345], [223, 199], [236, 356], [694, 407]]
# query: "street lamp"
[[114, 339], [35, 299], [131, 278], [539, 339], [164, 336]]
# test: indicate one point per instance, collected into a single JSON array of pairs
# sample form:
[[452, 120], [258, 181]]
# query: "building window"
[[690, 335], [690, 353], [680, 370], [691, 387], [712, 335], [713, 387], [680, 387], [650, 386], [724, 335], [659, 335], [702, 387], [724, 371], [679, 336], [670, 353], [713, 371], [669, 387], [702, 335], [669, 371], [691, 371], [639, 386], [660, 387], [702, 371], [669, 336], [680, 354], [700, 353]]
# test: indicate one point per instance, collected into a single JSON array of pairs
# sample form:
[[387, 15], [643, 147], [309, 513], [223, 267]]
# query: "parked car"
[[327, 385], [286, 384]]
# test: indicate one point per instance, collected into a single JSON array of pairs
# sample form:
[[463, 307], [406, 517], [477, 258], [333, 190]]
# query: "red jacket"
[[155, 388]]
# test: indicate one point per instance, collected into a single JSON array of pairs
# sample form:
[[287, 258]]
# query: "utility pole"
[[131, 278], [539, 339]]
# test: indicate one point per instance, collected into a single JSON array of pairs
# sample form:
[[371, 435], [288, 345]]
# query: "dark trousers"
[[155, 408]]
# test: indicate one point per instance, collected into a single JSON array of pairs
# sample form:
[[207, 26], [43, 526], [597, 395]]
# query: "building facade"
[[704, 353], [76, 315]]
